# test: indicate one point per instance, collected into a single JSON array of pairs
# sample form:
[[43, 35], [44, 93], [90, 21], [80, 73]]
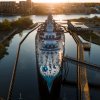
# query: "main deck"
[[50, 50]]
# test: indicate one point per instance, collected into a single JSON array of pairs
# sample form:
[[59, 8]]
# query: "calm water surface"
[[26, 81]]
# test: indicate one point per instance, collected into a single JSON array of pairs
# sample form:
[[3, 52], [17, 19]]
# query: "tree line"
[[21, 23]]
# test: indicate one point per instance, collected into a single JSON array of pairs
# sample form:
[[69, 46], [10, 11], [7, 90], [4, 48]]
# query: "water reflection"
[[3, 51], [5, 45], [26, 78], [10, 18], [54, 93], [38, 18]]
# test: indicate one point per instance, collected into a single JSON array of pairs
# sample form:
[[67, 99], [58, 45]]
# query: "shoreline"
[[5, 41], [6, 15], [8, 35], [15, 31]]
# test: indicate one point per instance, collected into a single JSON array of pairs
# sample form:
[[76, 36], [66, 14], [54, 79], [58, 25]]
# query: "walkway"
[[83, 88]]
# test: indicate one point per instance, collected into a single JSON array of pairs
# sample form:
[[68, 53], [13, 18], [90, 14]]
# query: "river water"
[[26, 81]]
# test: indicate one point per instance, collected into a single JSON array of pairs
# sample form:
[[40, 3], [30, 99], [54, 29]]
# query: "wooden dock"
[[83, 88]]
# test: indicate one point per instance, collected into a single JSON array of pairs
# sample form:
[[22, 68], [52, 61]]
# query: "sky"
[[56, 1]]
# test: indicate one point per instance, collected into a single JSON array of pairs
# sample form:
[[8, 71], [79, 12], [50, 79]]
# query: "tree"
[[6, 25]]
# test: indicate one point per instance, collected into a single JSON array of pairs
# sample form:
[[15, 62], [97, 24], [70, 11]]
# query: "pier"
[[9, 97], [83, 88], [83, 63], [82, 66], [86, 46]]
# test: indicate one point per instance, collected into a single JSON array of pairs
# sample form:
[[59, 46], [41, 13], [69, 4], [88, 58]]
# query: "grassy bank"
[[95, 38], [3, 50], [7, 27], [95, 20], [21, 23], [94, 24], [7, 30]]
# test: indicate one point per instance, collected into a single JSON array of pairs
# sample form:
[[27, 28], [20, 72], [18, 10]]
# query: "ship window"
[[53, 36], [44, 69], [50, 36], [46, 36]]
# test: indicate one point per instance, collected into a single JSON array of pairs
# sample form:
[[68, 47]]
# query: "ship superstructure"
[[50, 49]]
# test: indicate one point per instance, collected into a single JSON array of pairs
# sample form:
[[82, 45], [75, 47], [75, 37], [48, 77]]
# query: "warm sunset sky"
[[56, 1]]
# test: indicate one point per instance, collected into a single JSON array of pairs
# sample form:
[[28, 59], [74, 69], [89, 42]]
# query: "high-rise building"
[[29, 6], [29, 1], [8, 7], [23, 7], [11, 7]]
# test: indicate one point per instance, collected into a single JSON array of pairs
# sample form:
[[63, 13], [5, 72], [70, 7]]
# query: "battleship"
[[49, 51]]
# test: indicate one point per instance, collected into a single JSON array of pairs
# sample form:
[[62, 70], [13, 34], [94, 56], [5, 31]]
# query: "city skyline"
[[56, 1]]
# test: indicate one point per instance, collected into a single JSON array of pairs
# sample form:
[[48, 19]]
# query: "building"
[[11, 7], [22, 7], [78, 27], [29, 3], [29, 6], [25, 7], [8, 7]]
